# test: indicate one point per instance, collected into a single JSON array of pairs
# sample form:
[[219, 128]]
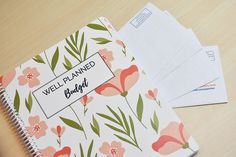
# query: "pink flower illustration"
[[121, 43], [58, 130], [114, 149], [173, 138], [152, 95], [6, 79], [64, 152], [51, 152], [48, 152], [37, 128], [121, 83], [106, 56], [29, 77], [85, 100]]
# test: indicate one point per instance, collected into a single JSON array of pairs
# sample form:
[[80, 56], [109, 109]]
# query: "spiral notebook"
[[86, 96]]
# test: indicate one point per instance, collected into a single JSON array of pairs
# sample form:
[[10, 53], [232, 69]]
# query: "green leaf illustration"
[[140, 108], [97, 27], [72, 39], [71, 123], [115, 128], [124, 139], [73, 47], [81, 43], [29, 102], [90, 149], [85, 51], [81, 150], [17, 101], [89, 152], [38, 59], [132, 127], [125, 121], [155, 122], [72, 53], [55, 59], [101, 40], [120, 125], [108, 118], [116, 115], [67, 64], [76, 37], [95, 126]]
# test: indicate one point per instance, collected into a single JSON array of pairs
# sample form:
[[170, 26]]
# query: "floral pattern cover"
[[121, 118]]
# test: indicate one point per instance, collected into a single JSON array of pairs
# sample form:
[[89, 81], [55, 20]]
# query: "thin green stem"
[[79, 53], [79, 122], [49, 64], [126, 131], [105, 27], [84, 111], [139, 147], [81, 58], [133, 139], [134, 112], [158, 102], [135, 142], [59, 141], [124, 51]]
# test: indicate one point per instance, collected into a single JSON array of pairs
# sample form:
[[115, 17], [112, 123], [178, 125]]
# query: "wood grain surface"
[[27, 27]]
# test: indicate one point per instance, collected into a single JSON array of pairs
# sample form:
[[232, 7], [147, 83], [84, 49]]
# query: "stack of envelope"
[[185, 72]]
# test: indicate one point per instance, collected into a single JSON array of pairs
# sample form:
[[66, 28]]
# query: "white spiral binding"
[[18, 124]]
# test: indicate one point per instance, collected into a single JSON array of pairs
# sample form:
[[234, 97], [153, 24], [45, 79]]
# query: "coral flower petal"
[[172, 138], [108, 89], [64, 152], [129, 77]]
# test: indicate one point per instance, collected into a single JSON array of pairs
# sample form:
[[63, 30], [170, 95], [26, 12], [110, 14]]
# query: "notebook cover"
[[86, 96]]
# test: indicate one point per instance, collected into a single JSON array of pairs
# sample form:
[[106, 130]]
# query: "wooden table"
[[28, 27]]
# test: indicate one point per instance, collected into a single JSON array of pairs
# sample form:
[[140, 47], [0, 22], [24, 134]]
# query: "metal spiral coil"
[[17, 124]]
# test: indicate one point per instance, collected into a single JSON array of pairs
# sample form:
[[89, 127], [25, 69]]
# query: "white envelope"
[[195, 72], [154, 38], [191, 47], [161, 46], [211, 93]]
